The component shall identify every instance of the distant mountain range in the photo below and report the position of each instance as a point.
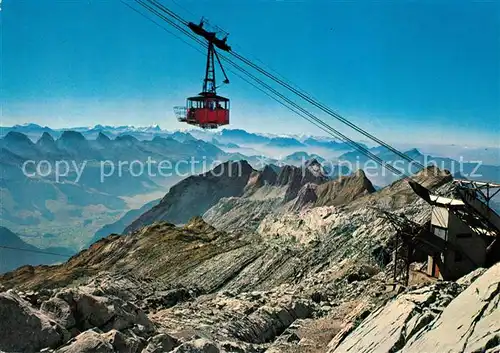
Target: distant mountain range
(469, 170)
(230, 138)
(34, 131)
(82, 199)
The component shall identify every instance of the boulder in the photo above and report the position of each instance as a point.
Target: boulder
(199, 345)
(88, 342)
(60, 311)
(105, 313)
(161, 343)
(24, 329)
(95, 341)
(123, 343)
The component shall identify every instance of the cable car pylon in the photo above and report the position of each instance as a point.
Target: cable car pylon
(207, 110)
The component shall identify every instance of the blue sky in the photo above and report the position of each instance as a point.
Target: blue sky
(404, 70)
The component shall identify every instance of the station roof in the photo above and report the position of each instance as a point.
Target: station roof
(445, 201)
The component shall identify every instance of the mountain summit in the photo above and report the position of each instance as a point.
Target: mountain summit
(343, 190)
(102, 139)
(194, 195)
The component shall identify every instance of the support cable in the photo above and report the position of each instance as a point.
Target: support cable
(331, 130)
(34, 251)
(302, 94)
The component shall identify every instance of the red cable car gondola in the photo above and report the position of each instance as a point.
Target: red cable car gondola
(207, 110)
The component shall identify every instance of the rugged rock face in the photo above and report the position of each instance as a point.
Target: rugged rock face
(25, 329)
(267, 176)
(306, 197)
(389, 327)
(309, 280)
(196, 194)
(232, 185)
(295, 177)
(293, 187)
(470, 323)
(343, 190)
(445, 317)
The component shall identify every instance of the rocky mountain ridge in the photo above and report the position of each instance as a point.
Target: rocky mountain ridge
(196, 194)
(317, 284)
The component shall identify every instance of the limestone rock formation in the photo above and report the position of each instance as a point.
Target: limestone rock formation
(343, 190)
(306, 197)
(267, 176)
(194, 195)
(470, 323)
(269, 275)
(26, 329)
(446, 317)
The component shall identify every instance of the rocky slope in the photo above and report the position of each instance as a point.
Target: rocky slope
(343, 190)
(342, 308)
(445, 317)
(197, 193)
(199, 288)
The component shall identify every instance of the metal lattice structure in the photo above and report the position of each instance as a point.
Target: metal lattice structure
(403, 245)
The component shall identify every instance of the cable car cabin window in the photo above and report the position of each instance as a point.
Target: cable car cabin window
(221, 105)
